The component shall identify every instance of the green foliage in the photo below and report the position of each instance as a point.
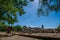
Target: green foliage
(31, 0)
(3, 28)
(8, 9)
(17, 28)
(58, 28)
(46, 6)
(14, 28)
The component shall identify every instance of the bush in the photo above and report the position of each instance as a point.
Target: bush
(17, 28)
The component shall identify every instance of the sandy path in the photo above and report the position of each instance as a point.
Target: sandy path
(17, 38)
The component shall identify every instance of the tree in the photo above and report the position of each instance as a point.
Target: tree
(46, 6)
(17, 28)
(8, 9)
(3, 27)
(58, 28)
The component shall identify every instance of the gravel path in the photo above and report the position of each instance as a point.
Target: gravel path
(16, 37)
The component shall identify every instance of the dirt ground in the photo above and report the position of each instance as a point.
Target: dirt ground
(16, 37)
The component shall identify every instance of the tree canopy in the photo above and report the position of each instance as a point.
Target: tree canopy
(8, 8)
(46, 6)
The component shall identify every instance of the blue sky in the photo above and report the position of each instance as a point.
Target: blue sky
(31, 18)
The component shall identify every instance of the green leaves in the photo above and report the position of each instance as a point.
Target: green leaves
(8, 9)
(44, 2)
(46, 6)
(31, 0)
(58, 28)
(17, 28)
